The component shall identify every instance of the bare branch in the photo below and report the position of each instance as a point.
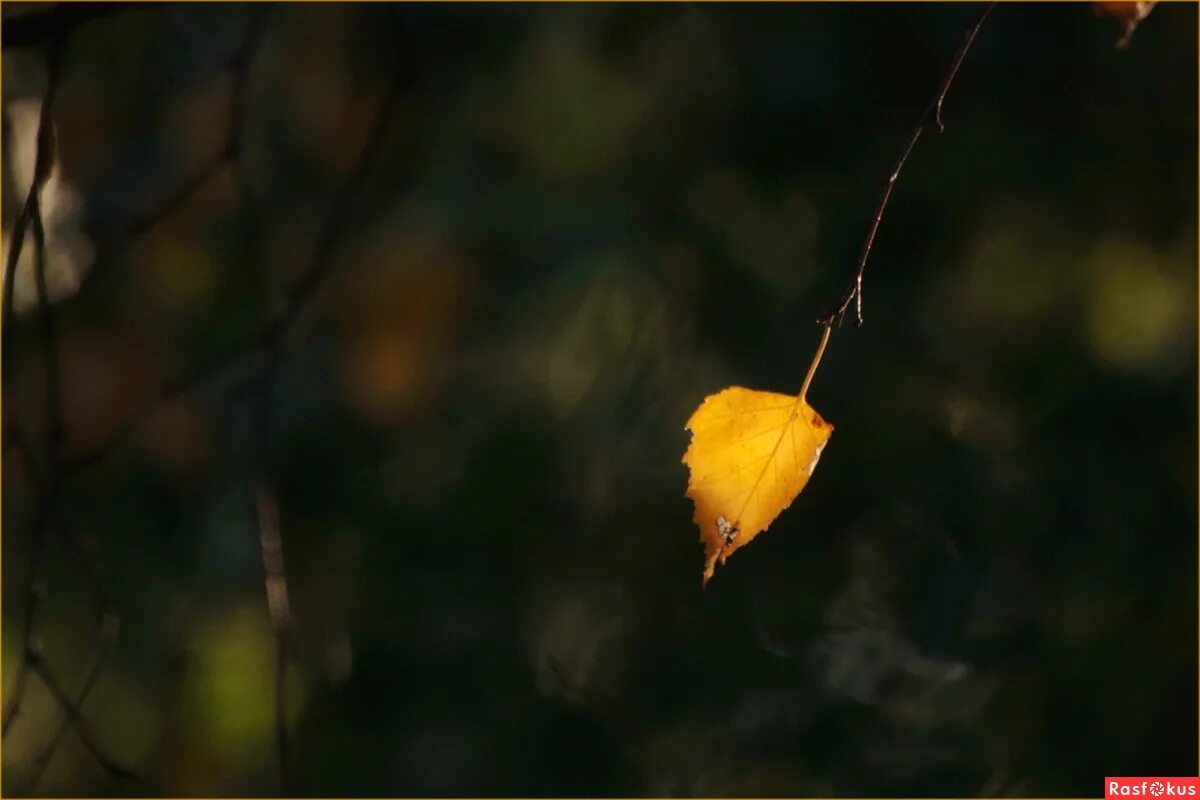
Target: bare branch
(259, 353)
(231, 358)
(276, 585)
(51, 478)
(246, 354)
(933, 112)
(162, 208)
(82, 730)
(30, 217)
(16, 439)
(264, 498)
(71, 715)
(49, 336)
(43, 165)
(165, 206)
(60, 20)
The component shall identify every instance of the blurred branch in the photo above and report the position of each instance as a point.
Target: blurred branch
(42, 166)
(16, 439)
(335, 223)
(247, 354)
(71, 715)
(75, 717)
(154, 213)
(275, 582)
(270, 344)
(144, 221)
(265, 499)
(51, 479)
(30, 217)
(262, 350)
(30, 644)
(36, 27)
(932, 113)
(232, 359)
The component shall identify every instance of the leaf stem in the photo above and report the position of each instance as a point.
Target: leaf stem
(932, 113)
(812, 368)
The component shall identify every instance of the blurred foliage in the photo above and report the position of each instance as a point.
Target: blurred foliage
(584, 219)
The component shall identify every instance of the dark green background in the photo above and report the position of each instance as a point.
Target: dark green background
(583, 220)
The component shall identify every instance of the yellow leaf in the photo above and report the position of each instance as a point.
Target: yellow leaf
(751, 453)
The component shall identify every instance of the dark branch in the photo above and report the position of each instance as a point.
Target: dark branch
(47, 328)
(15, 439)
(30, 217)
(71, 715)
(932, 113)
(42, 166)
(82, 730)
(139, 224)
(275, 583)
(38, 27)
(164, 207)
(51, 478)
(144, 220)
(264, 499)
(247, 354)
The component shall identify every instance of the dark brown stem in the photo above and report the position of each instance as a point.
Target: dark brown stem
(932, 113)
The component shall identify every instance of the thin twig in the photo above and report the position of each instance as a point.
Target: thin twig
(227, 157)
(71, 714)
(38, 665)
(232, 357)
(30, 217)
(60, 20)
(49, 335)
(335, 222)
(49, 493)
(239, 356)
(933, 112)
(50, 483)
(276, 586)
(16, 439)
(43, 164)
(154, 213)
(30, 644)
(247, 353)
(264, 497)
(86, 562)
(142, 222)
